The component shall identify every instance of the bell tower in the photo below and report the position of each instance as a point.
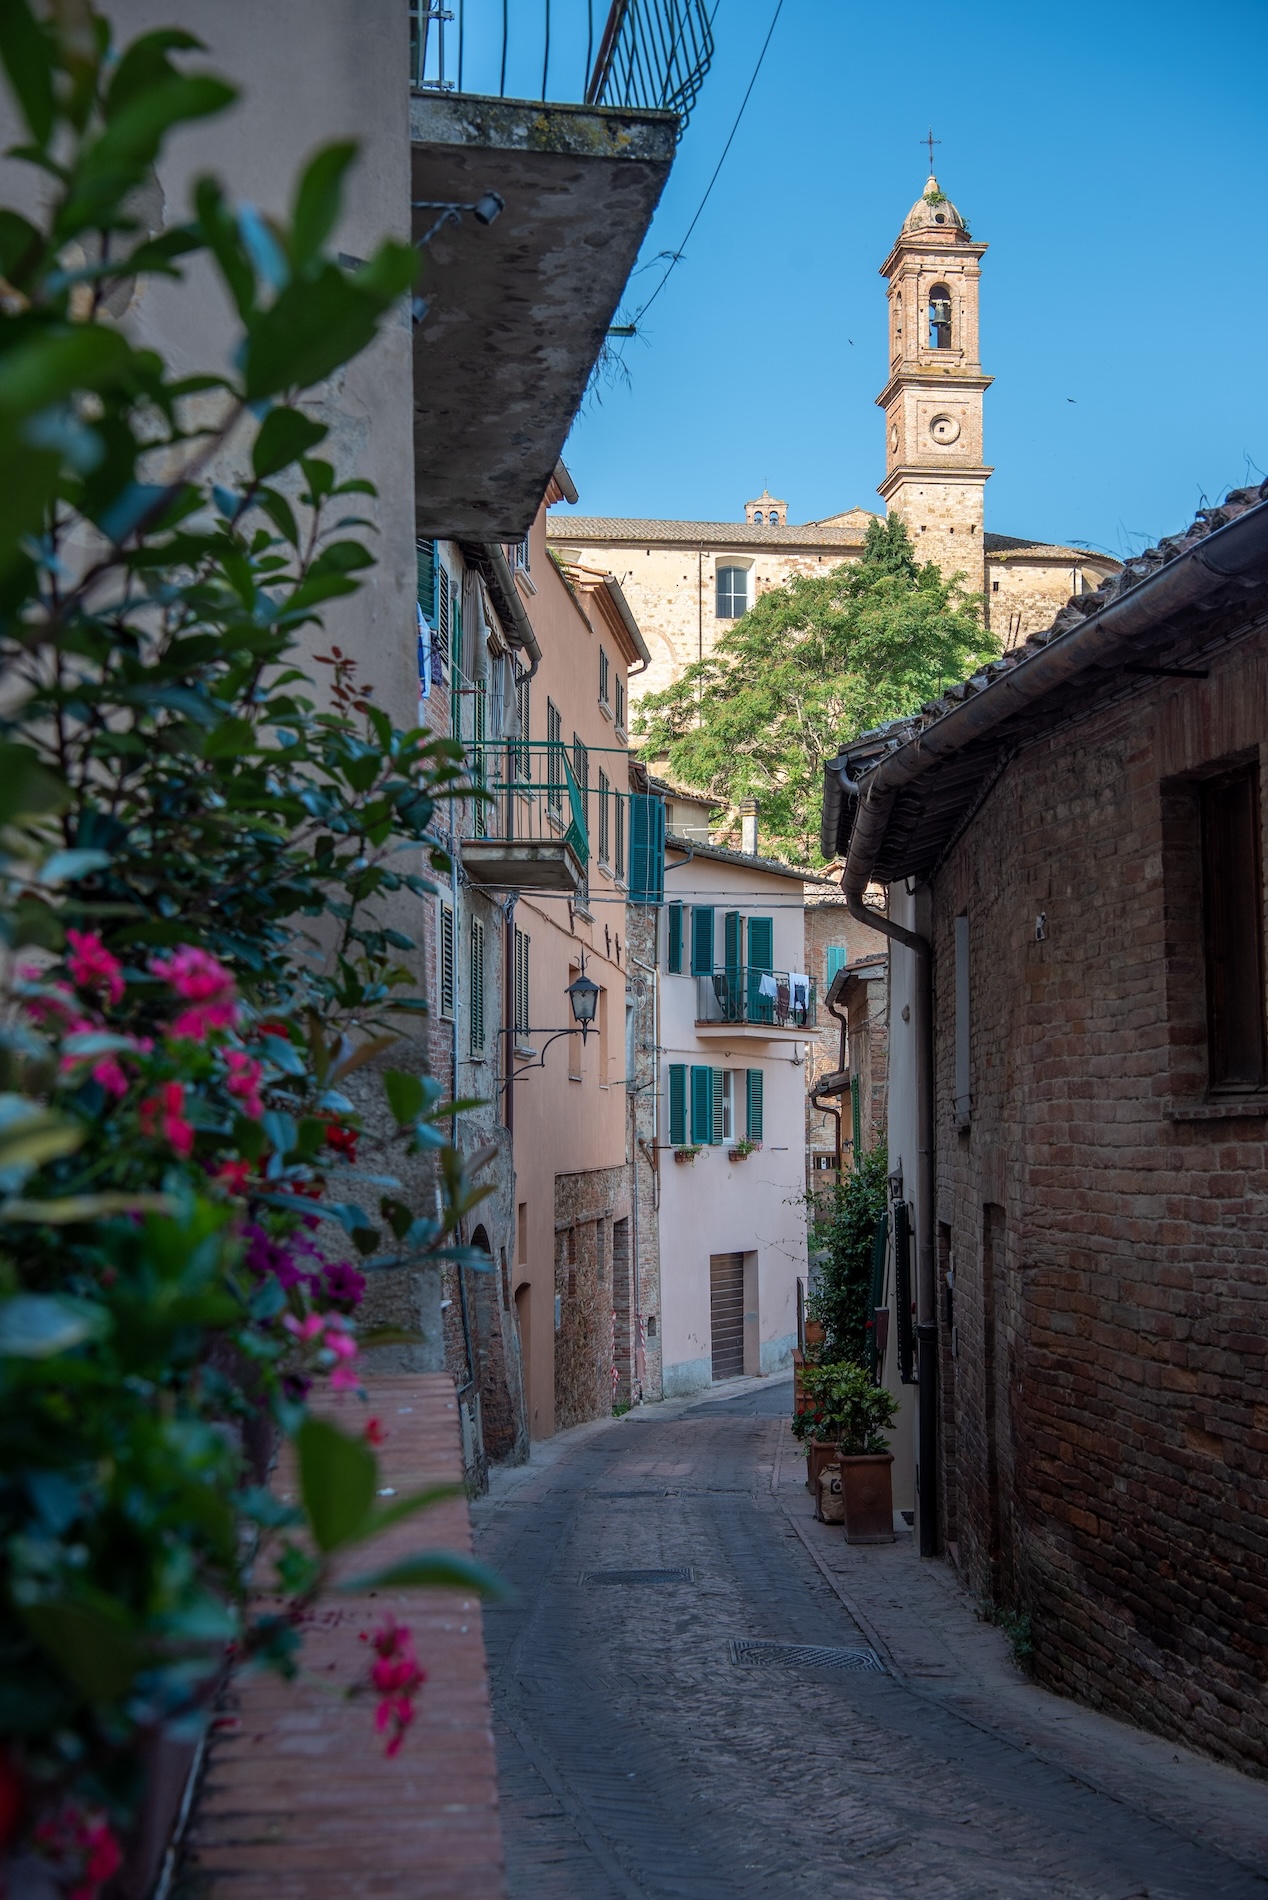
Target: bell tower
(935, 476)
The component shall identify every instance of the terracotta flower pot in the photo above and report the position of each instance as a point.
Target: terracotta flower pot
(820, 1453)
(867, 1485)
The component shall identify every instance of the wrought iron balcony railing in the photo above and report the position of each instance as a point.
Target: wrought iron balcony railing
(741, 994)
(650, 55)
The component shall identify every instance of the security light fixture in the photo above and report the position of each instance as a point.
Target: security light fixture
(485, 209)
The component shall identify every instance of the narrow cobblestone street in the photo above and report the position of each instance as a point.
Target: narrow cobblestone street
(638, 1758)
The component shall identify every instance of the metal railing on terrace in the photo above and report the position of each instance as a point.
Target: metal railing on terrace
(742, 994)
(649, 55)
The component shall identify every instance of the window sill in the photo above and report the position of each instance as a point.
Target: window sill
(621, 733)
(525, 580)
(606, 710)
(1219, 1108)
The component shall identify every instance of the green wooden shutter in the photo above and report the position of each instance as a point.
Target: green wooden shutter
(701, 1104)
(425, 552)
(761, 943)
(715, 1130)
(754, 1104)
(673, 960)
(647, 848)
(677, 1104)
(702, 940)
(477, 987)
(838, 957)
(902, 1295)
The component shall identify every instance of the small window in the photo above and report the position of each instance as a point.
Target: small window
(939, 318)
(727, 1103)
(732, 592)
(620, 703)
(444, 959)
(477, 987)
(618, 834)
(521, 985)
(605, 823)
(757, 519)
(1232, 881)
(836, 957)
(701, 1105)
(604, 672)
(995, 587)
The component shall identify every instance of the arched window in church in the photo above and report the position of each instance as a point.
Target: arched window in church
(939, 318)
(757, 519)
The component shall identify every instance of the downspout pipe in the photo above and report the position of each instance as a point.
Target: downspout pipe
(489, 559)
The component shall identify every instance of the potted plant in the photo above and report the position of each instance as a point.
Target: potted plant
(743, 1149)
(686, 1154)
(846, 1419)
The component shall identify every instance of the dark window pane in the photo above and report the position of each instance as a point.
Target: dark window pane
(1233, 892)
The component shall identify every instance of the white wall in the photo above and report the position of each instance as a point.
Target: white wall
(714, 1205)
(912, 913)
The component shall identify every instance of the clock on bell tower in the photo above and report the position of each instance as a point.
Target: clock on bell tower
(935, 477)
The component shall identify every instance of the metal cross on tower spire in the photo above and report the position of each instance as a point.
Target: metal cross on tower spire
(930, 141)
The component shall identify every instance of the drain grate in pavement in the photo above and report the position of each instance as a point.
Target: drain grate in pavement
(802, 1656)
(609, 1496)
(685, 1574)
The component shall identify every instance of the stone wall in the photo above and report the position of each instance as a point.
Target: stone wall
(587, 1206)
(1104, 1349)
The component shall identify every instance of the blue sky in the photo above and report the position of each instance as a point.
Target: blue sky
(1111, 155)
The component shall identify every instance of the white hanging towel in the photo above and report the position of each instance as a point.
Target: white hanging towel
(767, 986)
(424, 655)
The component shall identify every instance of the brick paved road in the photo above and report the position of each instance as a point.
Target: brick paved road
(638, 1762)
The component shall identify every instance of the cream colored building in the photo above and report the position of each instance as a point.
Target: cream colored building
(688, 582)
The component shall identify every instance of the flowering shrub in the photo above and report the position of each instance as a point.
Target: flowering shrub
(180, 1164)
(396, 1677)
(845, 1408)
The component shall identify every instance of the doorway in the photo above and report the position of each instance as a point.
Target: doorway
(726, 1306)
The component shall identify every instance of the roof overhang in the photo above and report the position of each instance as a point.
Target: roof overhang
(518, 310)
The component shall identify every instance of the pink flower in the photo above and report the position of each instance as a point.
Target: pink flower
(75, 1842)
(310, 1327)
(110, 1075)
(396, 1674)
(234, 1176)
(91, 965)
(163, 1116)
(243, 1081)
(205, 985)
(55, 1008)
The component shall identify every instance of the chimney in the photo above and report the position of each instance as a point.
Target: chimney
(749, 809)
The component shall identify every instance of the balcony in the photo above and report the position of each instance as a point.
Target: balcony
(527, 817)
(776, 1004)
(575, 133)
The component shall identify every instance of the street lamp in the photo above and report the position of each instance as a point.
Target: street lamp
(583, 994)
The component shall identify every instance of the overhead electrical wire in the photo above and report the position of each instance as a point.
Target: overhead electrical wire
(676, 257)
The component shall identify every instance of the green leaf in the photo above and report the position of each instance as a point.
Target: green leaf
(145, 63)
(401, 1508)
(318, 200)
(26, 785)
(91, 1642)
(430, 1570)
(28, 61)
(30, 1134)
(21, 246)
(80, 1207)
(318, 323)
(40, 1325)
(285, 435)
(230, 739)
(49, 368)
(405, 1095)
(338, 1476)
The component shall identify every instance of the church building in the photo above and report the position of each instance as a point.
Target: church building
(688, 582)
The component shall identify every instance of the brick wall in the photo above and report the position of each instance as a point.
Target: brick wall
(1107, 1458)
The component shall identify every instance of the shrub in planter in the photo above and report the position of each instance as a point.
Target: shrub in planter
(845, 1418)
(177, 1146)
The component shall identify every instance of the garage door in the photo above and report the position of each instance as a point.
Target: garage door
(726, 1291)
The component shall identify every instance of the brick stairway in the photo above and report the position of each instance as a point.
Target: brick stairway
(297, 1801)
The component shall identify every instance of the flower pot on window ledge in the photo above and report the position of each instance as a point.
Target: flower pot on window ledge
(867, 1485)
(685, 1154)
(742, 1150)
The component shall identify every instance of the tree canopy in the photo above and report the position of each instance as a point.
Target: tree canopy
(810, 666)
